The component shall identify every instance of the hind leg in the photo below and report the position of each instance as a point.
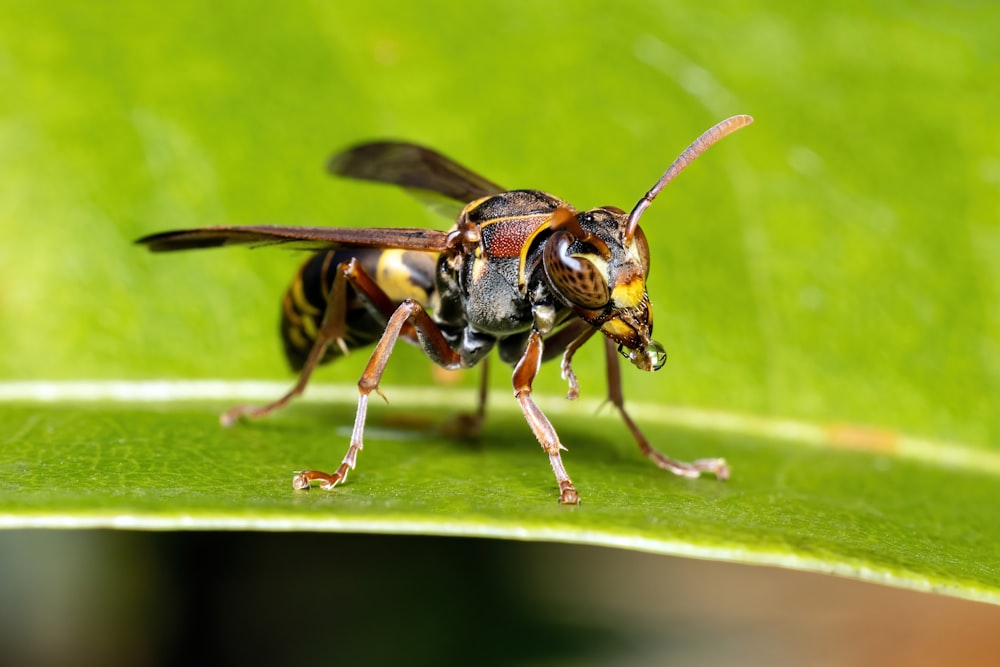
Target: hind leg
(331, 330)
(410, 315)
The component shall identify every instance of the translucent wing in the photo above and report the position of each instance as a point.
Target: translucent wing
(416, 168)
(307, 238)
(431, 177)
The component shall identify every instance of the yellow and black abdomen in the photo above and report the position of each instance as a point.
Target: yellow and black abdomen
(401, 274)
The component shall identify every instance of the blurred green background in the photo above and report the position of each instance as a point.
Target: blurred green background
(835, 262)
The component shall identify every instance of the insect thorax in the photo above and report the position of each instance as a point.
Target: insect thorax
(492, 278)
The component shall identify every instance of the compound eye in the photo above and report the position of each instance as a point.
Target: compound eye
(580, 278)
(642, 247)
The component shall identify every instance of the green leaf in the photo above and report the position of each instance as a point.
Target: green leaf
(826, 281)
(913, 514)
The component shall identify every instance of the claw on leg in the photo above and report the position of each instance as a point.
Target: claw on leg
(566, 365)
(566, 371)
(568, 494)
(692, 470)
(233, 414)
(717, 467)
(305, 479)
(408, 314)
(524, 374)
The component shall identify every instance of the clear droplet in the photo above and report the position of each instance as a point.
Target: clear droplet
(654, 353)
(657, 355)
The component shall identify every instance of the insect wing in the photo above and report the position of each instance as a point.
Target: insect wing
(413, 167)
(305, 238)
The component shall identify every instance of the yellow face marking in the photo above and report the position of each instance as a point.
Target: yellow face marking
(629, 294)
(618, 330)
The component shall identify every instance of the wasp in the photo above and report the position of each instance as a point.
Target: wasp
(520, 270)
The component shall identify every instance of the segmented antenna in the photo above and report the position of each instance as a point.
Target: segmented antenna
(699, 146)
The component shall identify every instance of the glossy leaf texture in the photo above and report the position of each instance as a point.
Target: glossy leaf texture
(825, 281)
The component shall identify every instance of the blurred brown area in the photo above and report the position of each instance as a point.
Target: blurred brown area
(133, 598)
(730, 614)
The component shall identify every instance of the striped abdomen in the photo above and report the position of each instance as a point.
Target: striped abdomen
(401, 274)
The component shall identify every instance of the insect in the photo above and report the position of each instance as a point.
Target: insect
(520, 271)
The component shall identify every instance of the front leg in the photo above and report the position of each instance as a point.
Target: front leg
(569, 339)
(717, 467)
(524, 375)
(565, 366)
(408, 314)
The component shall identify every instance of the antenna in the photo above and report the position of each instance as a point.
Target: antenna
(690, 154)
